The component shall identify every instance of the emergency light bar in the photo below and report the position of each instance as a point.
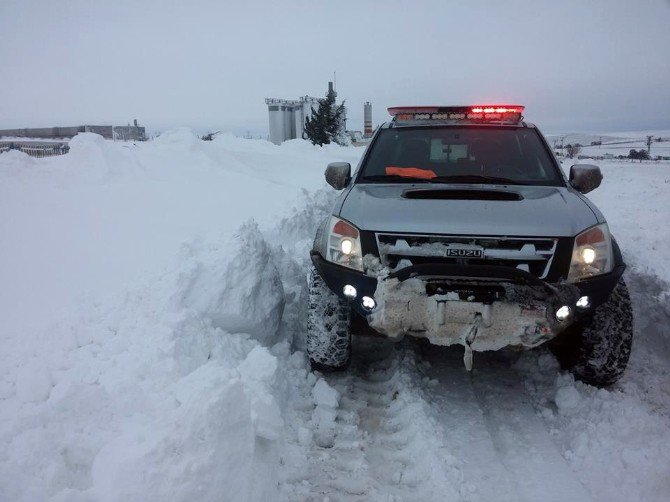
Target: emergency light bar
(476, 113)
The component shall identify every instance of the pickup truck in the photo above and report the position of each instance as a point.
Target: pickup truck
(459, 226)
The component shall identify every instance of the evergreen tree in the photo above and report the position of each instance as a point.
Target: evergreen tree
(326, 124)
(316, 125)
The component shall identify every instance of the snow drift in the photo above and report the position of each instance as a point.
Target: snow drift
(161, 385)
(152, 308)
(235, 284)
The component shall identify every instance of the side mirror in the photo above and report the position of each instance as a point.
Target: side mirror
(338, 174)
(585, 177)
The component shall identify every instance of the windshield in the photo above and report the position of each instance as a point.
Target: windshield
(460, 155)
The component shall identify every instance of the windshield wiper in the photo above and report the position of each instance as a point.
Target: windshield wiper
(477, 178)
(391, 178)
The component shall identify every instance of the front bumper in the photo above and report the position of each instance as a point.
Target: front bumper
(448, 303)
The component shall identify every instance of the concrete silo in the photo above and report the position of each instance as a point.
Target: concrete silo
(276, 116)
(287, 117)
(367, 119)
(289, 123)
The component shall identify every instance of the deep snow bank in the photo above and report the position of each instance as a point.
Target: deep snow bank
(158, 382)
(109, 215)
(147, 395)
(235, 283)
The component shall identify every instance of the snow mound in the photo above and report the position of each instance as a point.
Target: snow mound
(87, 141)
(235, 284)
(16, 160)
(164, 387)
(148, 396)
(181, 137)
(212, 434)
(100, 160)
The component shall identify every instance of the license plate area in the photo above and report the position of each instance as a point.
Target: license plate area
(486, 294)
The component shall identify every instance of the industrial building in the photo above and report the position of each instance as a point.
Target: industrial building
(287, 117)
(133, 132)
(130, 132)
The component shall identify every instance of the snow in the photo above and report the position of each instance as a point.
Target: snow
(152, 304)
(137, 287)
(241, 289)
(326, 401)
(635, 201)
(615, 143)
(567, 398)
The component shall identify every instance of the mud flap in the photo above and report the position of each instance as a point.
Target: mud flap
(469, 337)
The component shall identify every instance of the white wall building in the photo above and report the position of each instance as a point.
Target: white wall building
(287, 117)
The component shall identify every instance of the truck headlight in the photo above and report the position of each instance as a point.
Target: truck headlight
(591, 254)
(343, 244)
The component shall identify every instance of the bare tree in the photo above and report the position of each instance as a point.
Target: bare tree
(572, 150)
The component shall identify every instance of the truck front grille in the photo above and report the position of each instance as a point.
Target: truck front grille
(533, 255)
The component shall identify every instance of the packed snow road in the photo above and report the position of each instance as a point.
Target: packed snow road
(413, 425)
(427, 430)
(152, 348)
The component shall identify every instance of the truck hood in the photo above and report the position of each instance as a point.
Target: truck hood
(467, 209)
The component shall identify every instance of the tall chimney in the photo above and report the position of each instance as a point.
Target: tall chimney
(367, 119)
(331, 89)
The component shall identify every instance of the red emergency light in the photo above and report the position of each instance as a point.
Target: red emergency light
(477, 113)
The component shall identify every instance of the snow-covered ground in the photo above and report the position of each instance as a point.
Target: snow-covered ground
(615, 143)
(151, 314)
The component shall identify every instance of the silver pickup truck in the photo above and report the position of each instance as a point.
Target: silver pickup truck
(459, 226)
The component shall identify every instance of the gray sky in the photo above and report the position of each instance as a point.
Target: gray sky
(583, 65)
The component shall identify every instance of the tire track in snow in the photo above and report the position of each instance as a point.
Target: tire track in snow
(414, 425)
(446, 386)
(403, 456)
(385, 445)
(507, 426)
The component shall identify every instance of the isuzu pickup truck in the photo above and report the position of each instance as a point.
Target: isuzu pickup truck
(460, 226)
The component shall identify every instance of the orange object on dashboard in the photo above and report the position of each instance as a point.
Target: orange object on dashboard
(411, 172)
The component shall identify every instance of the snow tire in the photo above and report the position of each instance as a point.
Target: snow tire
(328, 327)
(596, 350)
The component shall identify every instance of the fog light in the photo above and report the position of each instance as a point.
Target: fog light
(349, 291)
(368, 303)
(563, 313)
(584, 302)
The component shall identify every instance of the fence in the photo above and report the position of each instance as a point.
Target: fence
(35, 149)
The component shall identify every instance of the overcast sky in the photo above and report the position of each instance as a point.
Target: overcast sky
(577, 66)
